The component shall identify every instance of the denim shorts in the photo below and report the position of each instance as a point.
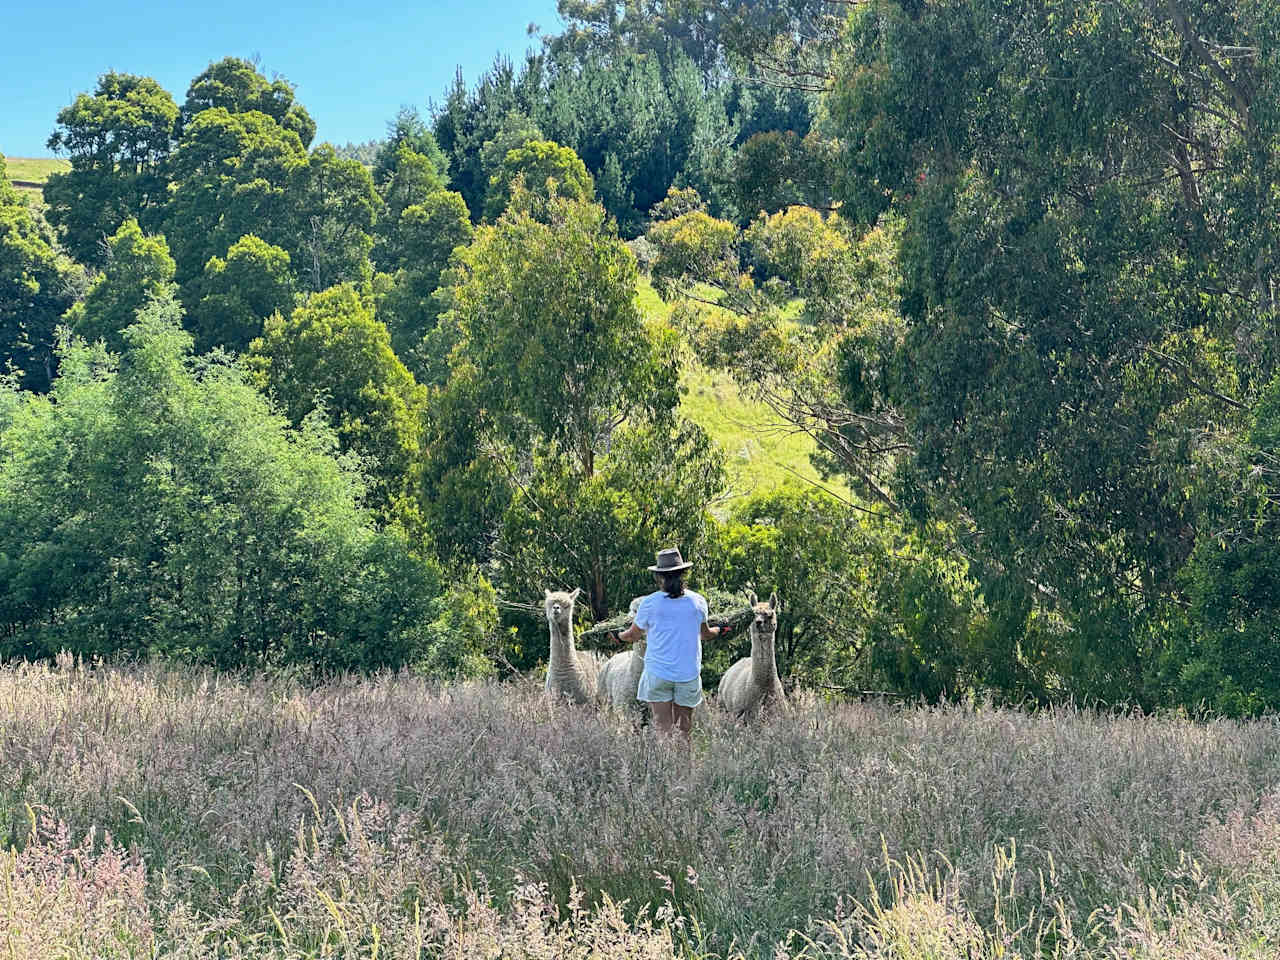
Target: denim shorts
(656, 690)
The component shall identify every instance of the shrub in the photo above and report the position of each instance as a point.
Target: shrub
(164, 507)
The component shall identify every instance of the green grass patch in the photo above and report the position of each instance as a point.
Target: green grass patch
(762, 452)
(29, 174)
(35, 169)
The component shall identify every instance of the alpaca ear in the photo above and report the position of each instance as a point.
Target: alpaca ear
(773, 601)
(574, 595)
(751, 597)
(547, 592)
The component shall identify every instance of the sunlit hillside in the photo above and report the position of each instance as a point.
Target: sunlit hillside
(29, 174)
(762, 452)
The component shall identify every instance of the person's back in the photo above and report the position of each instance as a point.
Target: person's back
(672, 627)
(673, 622)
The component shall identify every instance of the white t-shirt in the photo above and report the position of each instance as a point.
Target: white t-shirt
(673, 634)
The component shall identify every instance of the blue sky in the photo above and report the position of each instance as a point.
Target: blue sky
(353, 64)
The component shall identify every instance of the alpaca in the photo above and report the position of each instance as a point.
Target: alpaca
(570, 673)
(752, 684)
(620, 676)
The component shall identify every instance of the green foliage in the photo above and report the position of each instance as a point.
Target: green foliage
(408, 131)
(677, 202)
(545, 169)
(411, 179)
(778, 169)
(462, 639)
(429, 233)
(233, 174)
(237, 294)
(565, 527)
(1223, 656)
(640, 123)
(164, 508)
(242, 173)
(424, 239)
(514, 132)
(366, 152)
(1078, 299)
(642, 118)
(694, 245)
(331, 354)
(464, 487)
(236, 86)
(333, 207)
(496, 112)
(550, 358)
(37, 286)
(415, 181)
(138, 270)
(118, 139)
(547, 312)
(865, 604)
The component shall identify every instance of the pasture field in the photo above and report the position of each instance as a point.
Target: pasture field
(28, 174)
(761, 452)
(35, 169)
(159, 811)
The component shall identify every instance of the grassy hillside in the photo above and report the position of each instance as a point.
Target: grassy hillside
(28, 174)
(394, 818)
(762, 452)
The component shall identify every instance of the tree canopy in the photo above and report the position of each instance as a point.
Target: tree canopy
(159, 505)
(37, 285)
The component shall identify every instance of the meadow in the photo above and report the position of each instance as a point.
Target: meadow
(164, 811)
(762, 453)
(28, 174)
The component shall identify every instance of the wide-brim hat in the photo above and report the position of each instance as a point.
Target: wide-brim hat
(669, 561)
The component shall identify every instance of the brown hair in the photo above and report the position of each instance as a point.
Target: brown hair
(672, 583)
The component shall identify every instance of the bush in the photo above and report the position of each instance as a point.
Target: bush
(165, 507)
(863, 602)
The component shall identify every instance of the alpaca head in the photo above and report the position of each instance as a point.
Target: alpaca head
(764, 616)
(559, 607)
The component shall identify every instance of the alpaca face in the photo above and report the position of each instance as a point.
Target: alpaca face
(559, 607)
(764, 620)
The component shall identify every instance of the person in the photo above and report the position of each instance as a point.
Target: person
(674, 621)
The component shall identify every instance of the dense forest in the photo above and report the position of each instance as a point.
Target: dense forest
(1012, 267)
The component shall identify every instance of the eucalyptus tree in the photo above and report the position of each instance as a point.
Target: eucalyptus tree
(235, 294)
(138, 270)
(552, 367)
(331, 355)
(1089, 205)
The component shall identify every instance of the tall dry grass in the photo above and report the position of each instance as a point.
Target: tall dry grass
(387, 817)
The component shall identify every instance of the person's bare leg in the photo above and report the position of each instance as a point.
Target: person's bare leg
(662, 716)
(683, 719)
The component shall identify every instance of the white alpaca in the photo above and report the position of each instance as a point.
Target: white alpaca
(570, 673)
(752, 685)
(620, 676)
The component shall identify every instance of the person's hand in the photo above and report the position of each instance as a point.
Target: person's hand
(724, 630)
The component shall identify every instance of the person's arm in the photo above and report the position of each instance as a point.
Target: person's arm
(710, 633)
(632, 633)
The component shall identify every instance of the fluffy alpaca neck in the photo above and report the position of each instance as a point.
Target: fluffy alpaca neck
(562, 652)
(764, 669)
(637, 657)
